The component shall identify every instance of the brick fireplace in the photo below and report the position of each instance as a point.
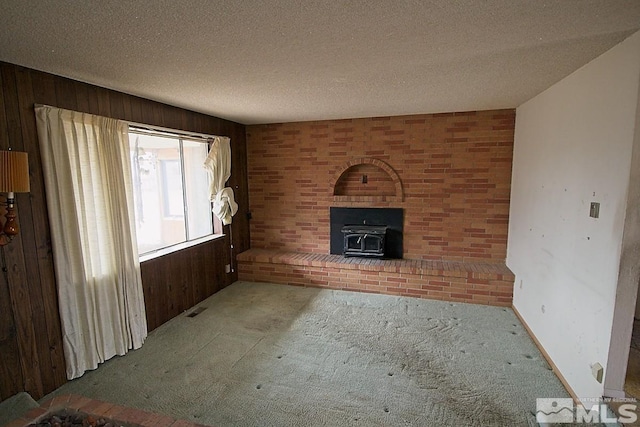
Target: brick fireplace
(449, 173)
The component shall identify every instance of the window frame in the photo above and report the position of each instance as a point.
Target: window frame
(181, 136)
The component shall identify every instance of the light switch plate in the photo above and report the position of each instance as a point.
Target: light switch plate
(597, 371)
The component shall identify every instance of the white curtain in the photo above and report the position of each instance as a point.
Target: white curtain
(87, 175)
(218, 164)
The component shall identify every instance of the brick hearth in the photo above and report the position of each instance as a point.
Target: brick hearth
(477, 282)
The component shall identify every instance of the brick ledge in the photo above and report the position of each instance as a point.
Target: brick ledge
(471, 282)
(476, 270)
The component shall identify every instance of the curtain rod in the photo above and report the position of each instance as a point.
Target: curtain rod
(145, 126)
(154, 127)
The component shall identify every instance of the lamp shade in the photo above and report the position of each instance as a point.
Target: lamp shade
(14, 172)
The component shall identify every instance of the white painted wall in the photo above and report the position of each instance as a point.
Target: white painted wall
(573, 145)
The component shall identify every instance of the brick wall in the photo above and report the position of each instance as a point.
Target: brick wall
(455, 171)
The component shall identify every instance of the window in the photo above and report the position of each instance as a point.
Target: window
(170, 189)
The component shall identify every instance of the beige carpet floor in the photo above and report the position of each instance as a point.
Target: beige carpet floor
(274, 355)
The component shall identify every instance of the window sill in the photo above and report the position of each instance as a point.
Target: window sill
(180, 246)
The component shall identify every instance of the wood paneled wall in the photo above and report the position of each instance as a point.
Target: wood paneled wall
(175, 282)
(31, 356)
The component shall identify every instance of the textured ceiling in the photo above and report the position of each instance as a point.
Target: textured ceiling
(265, 61)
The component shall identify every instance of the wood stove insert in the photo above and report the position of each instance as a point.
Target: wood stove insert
(382, 227)
(364, 240)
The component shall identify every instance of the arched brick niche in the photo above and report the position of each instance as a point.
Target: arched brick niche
(366, 179)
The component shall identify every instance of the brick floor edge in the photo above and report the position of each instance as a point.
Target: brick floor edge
(100, 409)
